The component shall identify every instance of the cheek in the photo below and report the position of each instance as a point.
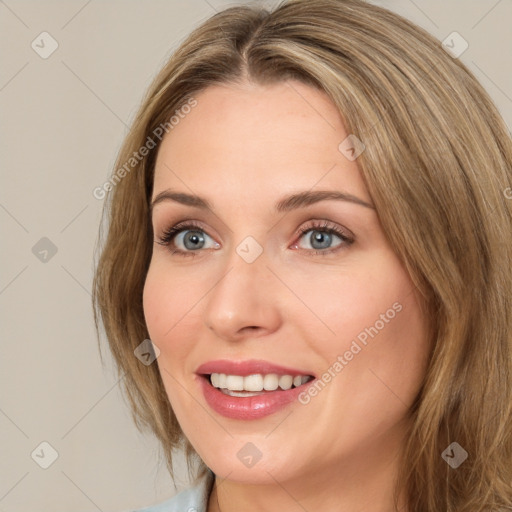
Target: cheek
(164, 304)
(356, 302)
(168, 301)
(389, 369)
(154, 299)
(375, 360)
(376, 325)
(172, 301)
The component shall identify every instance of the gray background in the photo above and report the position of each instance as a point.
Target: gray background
(63, 119)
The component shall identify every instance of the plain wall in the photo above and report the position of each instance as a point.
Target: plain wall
(62, 122)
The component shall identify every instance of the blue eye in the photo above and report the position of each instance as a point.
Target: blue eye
(190, 236)
(191, 239)
(322, 239)
(322, 236)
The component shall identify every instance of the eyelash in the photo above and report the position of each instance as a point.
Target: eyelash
(167, 237)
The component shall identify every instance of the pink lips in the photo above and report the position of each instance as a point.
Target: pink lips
(251, 407)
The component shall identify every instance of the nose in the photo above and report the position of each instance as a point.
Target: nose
(244, 302)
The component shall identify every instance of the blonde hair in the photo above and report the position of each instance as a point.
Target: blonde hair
(437, 165)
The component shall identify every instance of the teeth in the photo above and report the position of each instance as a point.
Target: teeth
(270, 382)
(285, 381)
(255, 383)
(234, 382)
(239, 393)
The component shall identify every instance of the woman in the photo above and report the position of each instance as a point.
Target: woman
(311, 220)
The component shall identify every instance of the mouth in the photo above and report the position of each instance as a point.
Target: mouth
(255, 384)
(250, 390)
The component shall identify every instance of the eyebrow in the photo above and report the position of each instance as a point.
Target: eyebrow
(292, 202)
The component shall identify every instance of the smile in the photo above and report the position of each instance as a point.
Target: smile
(250, 390)
(251, 384)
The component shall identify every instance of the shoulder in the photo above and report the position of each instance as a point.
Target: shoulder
(194, 499)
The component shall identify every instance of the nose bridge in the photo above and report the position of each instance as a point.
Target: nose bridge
(241, 297)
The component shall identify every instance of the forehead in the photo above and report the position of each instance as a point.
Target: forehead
(278, 138)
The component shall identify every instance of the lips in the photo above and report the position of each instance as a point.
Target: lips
(252, 407)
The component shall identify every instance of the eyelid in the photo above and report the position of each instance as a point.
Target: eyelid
(328, 226)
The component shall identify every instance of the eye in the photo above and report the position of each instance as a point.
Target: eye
(186, 238)
(322, 235)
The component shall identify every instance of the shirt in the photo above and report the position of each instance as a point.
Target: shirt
(194, 499)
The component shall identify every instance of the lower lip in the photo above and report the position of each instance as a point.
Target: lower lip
(249, 407)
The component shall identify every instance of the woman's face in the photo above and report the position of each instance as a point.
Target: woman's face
(285, 272)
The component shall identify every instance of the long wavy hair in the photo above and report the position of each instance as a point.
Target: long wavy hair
(437, 165)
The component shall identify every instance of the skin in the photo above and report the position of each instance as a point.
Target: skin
(243, 148)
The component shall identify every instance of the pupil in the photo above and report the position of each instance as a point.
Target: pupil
(194, 238)
(317, 236)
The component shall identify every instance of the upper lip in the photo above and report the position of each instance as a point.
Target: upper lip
(247, 367)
